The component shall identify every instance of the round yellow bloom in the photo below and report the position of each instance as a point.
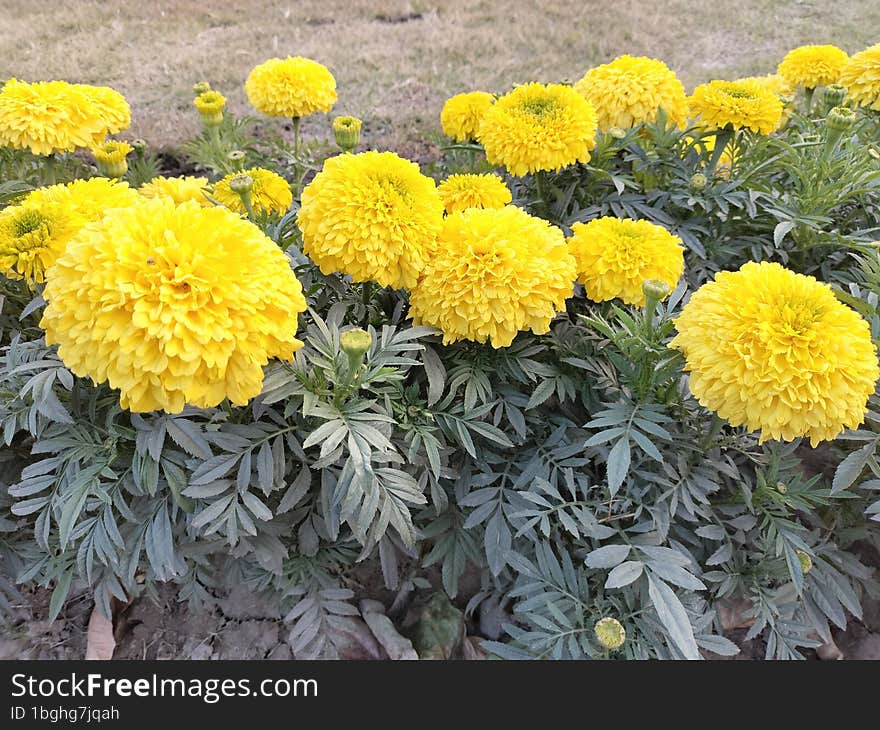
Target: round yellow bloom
(537, 127)
(371, 215)
(271, 192)
(616, 256)
(741, 104)
(812, 66)
(291, 87)
(629, 90)
(110, 107)
(461, 114)
(460, 192)
(173, 305)
(610, 633)
(775, 83)
(34, 232)
(861, 77)
(494, 273)
(179, 189)
(777, 352)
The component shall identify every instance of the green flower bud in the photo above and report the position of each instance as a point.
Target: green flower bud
(617, 132)
(655, 289)
(805, 560)
(840, 120)
(699, 181)
(355, 342)
(241, 184)
(140, 147)
(781, 488)
(610, 633)
(347, 131)
(201, 87)
(236, 159)
(833, 95)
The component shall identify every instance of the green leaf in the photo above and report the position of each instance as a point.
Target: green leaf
(673, 616)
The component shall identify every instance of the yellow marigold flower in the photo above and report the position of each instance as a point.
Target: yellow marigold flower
(610, 633)
(492, 274)
(291, 87)
(34, 232)
(460, 192)
(861, 77)
(740, 104)
(812, 66)
(210, 105)
(782, 89)
(616, 256)
(461, 114)
(179, 189)
(173, 305)
(777, 352)
(110, 157)
(537, 127)
(630, 89)
(110, 107)
(371, 215)
(270, 193)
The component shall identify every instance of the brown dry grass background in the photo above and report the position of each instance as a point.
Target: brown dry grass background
(395, 61)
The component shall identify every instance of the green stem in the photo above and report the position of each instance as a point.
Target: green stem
(51, 168)
(248, 205)
(367, 298)
(541, 185)
(296, 137)
(808, 96)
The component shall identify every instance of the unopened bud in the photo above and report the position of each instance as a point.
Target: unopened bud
(617, 132)
(610, 633)
(805, 560)
(347, 131)
(201, 87)
(110, 157)
(140, 147)
(210, 106)
(656, 290)
(241, 184)
(355, 342)
(699, 181)
(236, 159)
(781, 488)
(833, 95)
(840, 120)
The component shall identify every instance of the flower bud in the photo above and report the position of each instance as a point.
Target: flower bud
(617, 132)
(874, 152)
(833, 95)
(805, 560)
(140, 147)
(781, 488)
(201, 87)
(236, 159)
(210, 106)
(840, 120)
(241, 184)
(347, 131)
(699, 181)
(610, 633)
(355, 342)
(656, 290)
(110, 157)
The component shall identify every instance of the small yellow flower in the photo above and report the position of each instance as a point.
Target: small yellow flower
(347, 131)
(210, 105)
(537, 127)
(861, 77)
(179, 189)
(812, 66)
(291, 87)
(776, 351)
(629, 91)
(110, 157)
(493, 273)
(610, 633)
(460, 192)
(172, 305)
(270, 193)
(806, 562)
(371, 215)
(461, 114)
(616, 256)
(743, 104)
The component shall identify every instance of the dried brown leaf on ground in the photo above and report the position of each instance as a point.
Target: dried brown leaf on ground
(100, 641)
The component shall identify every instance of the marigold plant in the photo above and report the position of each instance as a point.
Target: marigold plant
(462, 114)
(743, 104)
(291, 87)
(861, 77)
(812, 66)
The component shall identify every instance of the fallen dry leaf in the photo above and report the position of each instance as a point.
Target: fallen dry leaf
(100, 642)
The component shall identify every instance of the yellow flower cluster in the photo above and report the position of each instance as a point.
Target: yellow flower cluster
(462, 114)
(179, 189)
(54, 116)
(861, 77)
(812, 66)
(34, 232)
(371, 215)
(172, 305)
(291, 87)
(492, 274)
(743, 104)
(775, 351)
(271, 192)
(460, 192)
(629, 91)
(616, 256)
(538, 127)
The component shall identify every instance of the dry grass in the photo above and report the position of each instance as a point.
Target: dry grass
(396, 60)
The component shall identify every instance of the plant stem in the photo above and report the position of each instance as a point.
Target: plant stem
(296, 136)
(541, 185)
(722, 139)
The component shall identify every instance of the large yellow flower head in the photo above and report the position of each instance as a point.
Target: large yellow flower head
(494, 273)
(537, 127)
(616, 256)
(110, 107)
(179, 189)
(271, 192)
(460, 192)
(743, 104)
(630, 89)
(812, 66)
(777, 352)
(371, 215)
(173, 305)
(34, 232)
(461, 114)
(861, 77)
(291, 87)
